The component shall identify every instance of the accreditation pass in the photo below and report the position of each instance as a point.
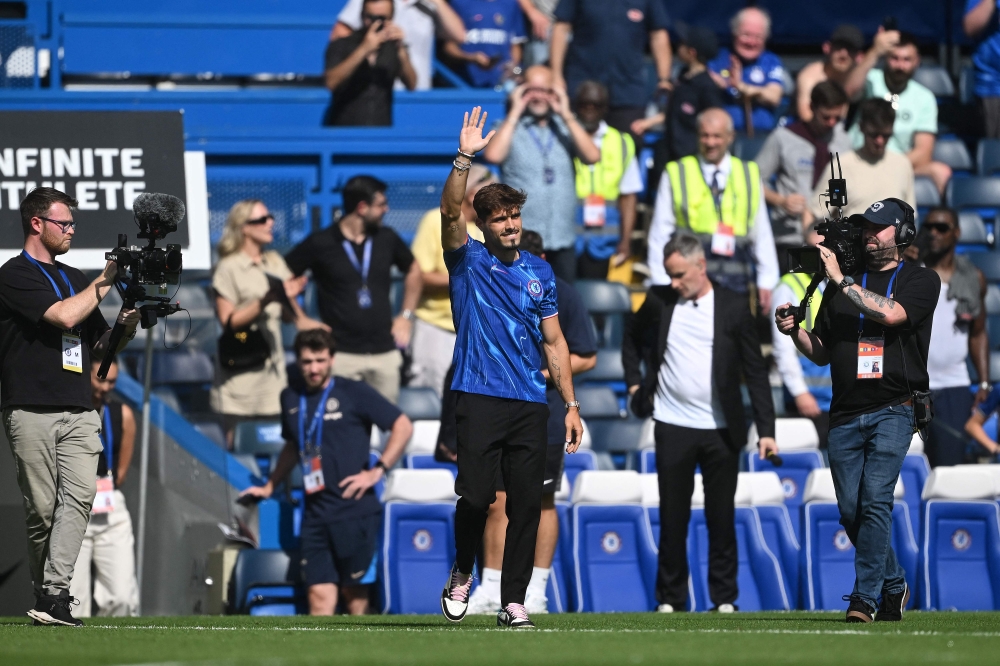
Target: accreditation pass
(72, 356)
(870, 358)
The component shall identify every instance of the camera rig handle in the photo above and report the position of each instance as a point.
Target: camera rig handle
(799, 311)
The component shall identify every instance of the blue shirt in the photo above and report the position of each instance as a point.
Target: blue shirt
(498, 310)
(990, 405)
(767, 68)
(610, 40)
(987, 56)
(491, 27)
(351, 410)
(578, 330)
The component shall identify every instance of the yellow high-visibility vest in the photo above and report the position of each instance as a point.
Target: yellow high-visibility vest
(693, 205)
(604, 178)
(798, 282)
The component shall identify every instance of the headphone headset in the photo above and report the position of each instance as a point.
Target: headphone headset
(906, 230)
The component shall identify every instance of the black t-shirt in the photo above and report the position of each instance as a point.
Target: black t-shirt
(351, 410)
(916, 289)
(31, 348)
(365, 98)
(689, 98)
(112, 412)
(579, 333)
(357, 330)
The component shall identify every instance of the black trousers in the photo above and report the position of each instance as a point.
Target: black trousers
(947, 440)
(678, 450)
(498, 434)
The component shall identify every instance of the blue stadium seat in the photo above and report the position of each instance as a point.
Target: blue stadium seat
(426, 461)
(914, 474)
(961, 544)
(927, 194)
(953, 153)
(936, 78)
(979, 192)
(651, 511)
(373, 457)
(581, 461)
(988, 157)
(558, 591)
(180, 367)
(609, 367)
(598, 402)
(616, 435)
(647, 461)
(746, 148)
(614, 557)
(418, 539)
(988, 263)
(264, 582)
(973, 229)
(827, 553)
(262, 440)
(992, 299)
(762, 493)
(608, 304)
(419, 403)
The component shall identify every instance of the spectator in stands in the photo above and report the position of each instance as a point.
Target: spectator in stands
(752, 77)
(798, 158)
(614, 181)
(693, 92)
(718, 197)
(915, 129)
(351, 262)
(326, 429)
(980, 22)
(958, 334)
(433, 327)
(494, 41)
(422, 21)
(535, 146)
(844, 64)
(245, 299)
(541, 16)
(872, 172)
(576, 326)
(696, 339)
(361, 69)
(808, 384)
(108, 542)
(609, 45)
(980, 414)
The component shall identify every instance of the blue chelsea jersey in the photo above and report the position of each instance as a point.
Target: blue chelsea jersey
(498, 310)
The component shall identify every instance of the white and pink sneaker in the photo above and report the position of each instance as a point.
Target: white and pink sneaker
(455, 596)
(514, 616)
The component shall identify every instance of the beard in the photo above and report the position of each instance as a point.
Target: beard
(881, 256)
(55, 243)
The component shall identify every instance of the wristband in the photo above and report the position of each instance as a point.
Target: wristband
(461, 166)
(464, 154)
(380, 464)
(575, 403)
(985, 386)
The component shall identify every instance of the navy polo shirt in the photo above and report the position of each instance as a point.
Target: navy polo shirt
(350, 411)
(610, 40)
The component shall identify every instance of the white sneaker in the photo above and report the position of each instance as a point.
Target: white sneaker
(455, 596)
(514, 616)
(536, 604)
(726, 608)
(481, 604)
(664, 608)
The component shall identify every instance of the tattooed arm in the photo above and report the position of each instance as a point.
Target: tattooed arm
(878, 307)
(561, 374)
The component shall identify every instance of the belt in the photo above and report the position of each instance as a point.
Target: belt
(908, 403)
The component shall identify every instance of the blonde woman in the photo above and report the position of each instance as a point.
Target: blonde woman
(243, 298)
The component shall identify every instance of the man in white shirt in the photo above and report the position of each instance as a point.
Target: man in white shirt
(704, 341)
(727, 214)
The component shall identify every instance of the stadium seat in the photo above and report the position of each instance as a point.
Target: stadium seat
(264, 582)
(936, 78)
(977, 192)
(961, 542)
(647, 461)
(616, 435)
(988, 263)
(608, 304)
(827, 553)
(419, 403)
(988, 157)
(373, 457)
(913, 475)
(180, 367)
(953, 153)
(581, 461)
(558, 590)
(609, 368)
(927, 194)
(614, 557)
(746, 148)
(598, 402)
(418, 539)
(261, 439)
(763, 493)
(425, 436)
(973, 229)
(426, 461)
(214, 432)
(992, 299)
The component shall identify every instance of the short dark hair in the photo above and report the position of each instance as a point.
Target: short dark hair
(316, 339)
(531, 241)
(828, 95)
(361, 189)
(908, 39)
(876, 113)
(497, 198)
(950, 212)
(38, 202)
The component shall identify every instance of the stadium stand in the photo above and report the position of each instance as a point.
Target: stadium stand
(762, 492)
(988, 157)
(953, 152)
(265, 582)
(558, 591)
(608, 303)
(913, 475)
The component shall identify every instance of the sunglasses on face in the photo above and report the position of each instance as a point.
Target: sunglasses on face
(540, 91)
(939, 227)
(876, 135)
(65, 225)
(377, 17)
(260, 220)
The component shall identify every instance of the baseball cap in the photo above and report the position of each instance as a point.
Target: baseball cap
(847, 35)
(886, 212)
(700, 39)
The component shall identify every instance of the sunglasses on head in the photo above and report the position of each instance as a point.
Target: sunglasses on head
(260, 220)
(939, 227)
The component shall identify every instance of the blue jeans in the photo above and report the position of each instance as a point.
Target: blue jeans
(866, 455)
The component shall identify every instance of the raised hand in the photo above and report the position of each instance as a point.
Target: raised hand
(471, 139)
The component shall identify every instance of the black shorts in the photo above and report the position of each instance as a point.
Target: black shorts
(340, 553)
(554, 454)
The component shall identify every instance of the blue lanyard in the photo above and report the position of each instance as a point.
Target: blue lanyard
(538, 142)
(366, 264)
(49, 277)
(315, 433)
(108, 436)
(888, 292)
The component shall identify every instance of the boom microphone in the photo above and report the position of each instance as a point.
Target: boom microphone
(158, 214)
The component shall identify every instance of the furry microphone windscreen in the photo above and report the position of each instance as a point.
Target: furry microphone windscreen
(168, 208)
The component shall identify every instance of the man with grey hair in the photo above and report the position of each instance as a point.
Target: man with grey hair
(697, 339)
(752, 77)
(719, 198)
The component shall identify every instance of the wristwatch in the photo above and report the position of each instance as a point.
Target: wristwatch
(379, 463)
(406, 314)
(846, 282)
(575, 403)
(985, 386)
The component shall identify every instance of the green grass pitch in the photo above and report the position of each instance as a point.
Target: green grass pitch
(618, 639)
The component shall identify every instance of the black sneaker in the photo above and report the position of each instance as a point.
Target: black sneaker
(890, 609)
(514, 616)
(858, 611)
(55, 610)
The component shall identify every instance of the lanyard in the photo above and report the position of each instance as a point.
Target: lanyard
(538, 142)
(108, 435)
(366, 260)
(717, 197)
(49, 277)
(888, 293)
(315, 432)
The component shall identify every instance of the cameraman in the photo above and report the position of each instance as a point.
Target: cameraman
(50, 329)
(880, 315)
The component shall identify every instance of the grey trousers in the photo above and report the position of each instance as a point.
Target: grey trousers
(55, 457)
